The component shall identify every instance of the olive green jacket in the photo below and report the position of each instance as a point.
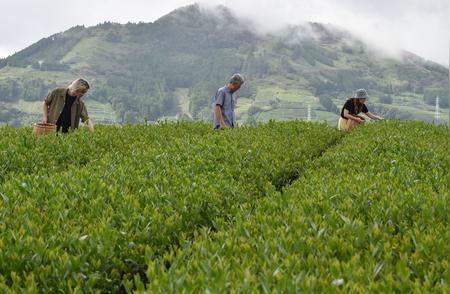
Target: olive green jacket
(56, 100)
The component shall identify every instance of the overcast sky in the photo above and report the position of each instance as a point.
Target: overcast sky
(420, 26)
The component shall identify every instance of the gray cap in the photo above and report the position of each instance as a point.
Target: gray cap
(237, 79)
(360, 94)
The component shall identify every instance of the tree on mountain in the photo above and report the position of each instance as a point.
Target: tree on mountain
(328, 104)
(430, 95)
(386, 99)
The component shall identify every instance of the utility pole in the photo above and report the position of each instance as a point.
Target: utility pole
(308, 117)
(437, 114)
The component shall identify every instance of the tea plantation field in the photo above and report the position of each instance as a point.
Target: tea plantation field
(178, 207)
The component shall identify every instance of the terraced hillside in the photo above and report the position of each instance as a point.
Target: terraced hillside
(170, 69)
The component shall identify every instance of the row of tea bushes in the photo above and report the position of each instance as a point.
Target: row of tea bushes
(371, 215)
(83, 212)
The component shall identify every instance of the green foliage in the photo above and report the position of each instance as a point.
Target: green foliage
(86, 212)
(182, 208)
(49, 50)
(9, 90)
(10, 116)
(329, 105)
(370, 215)
(386, 99)
(28, 89)
(253, 110)
(430, 95)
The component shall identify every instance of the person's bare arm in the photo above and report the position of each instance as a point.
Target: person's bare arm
(347, 115)
(218, 110)
(45, 111)
(373, 116)
(90, 125)
(85, 118)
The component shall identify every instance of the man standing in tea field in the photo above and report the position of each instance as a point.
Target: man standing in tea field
(64, 107)
(225, 103)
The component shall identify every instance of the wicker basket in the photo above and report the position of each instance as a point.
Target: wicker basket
(41, 129)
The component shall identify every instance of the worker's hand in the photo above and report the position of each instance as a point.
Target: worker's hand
(360, 120)
(223, 126)
(90, 125)
(45, 120)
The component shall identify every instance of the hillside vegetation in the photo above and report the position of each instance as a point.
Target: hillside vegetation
(171, 68)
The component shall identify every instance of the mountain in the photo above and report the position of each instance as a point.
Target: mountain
(171, 68)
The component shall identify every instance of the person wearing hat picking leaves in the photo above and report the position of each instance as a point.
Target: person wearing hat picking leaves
(225, 103)
(350, 117)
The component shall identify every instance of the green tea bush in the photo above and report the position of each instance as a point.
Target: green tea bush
(370, 215)
(87, 212)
